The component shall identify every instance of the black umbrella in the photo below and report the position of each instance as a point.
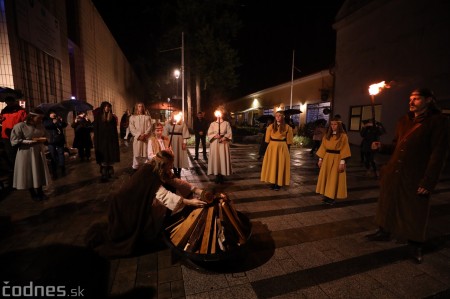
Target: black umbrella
(289, 112)
(6, 92)
(77, 105)
(265, 118)
(58, 108)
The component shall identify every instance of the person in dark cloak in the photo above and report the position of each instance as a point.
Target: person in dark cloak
(137, 210)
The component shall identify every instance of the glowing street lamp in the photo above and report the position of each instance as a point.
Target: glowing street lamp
(176, 74)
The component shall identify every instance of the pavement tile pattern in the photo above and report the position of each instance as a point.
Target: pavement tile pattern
(299, 248)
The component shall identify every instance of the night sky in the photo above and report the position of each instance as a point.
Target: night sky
(271, 31)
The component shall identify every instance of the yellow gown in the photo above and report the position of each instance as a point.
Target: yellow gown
(331, 182)
(276, 167)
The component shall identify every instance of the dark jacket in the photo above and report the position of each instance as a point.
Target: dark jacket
(83, 128)
(55, 131)
(200, 126)
(106, 139)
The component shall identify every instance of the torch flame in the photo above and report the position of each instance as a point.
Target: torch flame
(217, 113)
(177, 117)
(374, 89)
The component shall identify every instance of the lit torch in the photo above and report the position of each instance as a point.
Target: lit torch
(177, 118)
(218, 114)
(375, 89)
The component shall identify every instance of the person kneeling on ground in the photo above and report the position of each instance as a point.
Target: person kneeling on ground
(137, 211)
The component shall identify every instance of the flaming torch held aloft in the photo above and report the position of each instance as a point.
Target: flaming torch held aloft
(177, 118)
(375, 89)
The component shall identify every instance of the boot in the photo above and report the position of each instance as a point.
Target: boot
(41, 193)
(63, 170)
(34, 194)
(54, 173)
(110, 171)
(417, 251)
(104, 173)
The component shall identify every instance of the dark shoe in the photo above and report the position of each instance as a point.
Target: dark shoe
(217, 179)
(110, 171)
(34, 195)
(63, 171)
(272, 187)
(380, 235)
(276, 188)
(328, 201)
(104, 173)
(418, 254)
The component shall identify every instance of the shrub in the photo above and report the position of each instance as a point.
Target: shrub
(302, 141)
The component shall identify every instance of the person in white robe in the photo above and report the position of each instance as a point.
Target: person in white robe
(140, 126)
(31, 169)
(220, 136)
(178, 134)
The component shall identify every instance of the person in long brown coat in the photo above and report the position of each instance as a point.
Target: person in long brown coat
(137, 210)
(406, 182)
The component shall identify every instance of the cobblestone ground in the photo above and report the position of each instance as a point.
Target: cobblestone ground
(299, 247)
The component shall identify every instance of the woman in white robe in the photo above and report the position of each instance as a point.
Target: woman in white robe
(30, 169)
(178, 134)
(140, 126)
(220, 136)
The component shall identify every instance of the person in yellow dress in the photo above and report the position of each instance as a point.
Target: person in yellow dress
(332, 153)
(276, 166)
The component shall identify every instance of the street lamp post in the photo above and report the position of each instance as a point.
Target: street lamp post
(170, 110)
(182, 69)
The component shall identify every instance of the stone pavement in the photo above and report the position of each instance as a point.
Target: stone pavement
(299, 247)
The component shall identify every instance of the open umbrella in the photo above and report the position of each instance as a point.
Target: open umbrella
(265, 118)
(6, 92)
(289, 112)
(77, 105)
(56, 107)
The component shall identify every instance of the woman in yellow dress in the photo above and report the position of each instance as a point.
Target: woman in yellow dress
(332, 153)
(276, 167)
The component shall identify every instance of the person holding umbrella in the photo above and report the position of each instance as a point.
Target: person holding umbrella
(82, 141)
(55, 125)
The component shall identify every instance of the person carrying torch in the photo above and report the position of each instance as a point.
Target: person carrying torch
(178, 134)
(220, 136)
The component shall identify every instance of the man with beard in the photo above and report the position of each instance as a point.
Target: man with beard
(418, 155)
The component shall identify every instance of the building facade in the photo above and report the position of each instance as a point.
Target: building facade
(54, 50)
(311, 94)
(404, 43)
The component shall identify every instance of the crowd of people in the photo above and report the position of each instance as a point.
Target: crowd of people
(160, 153)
